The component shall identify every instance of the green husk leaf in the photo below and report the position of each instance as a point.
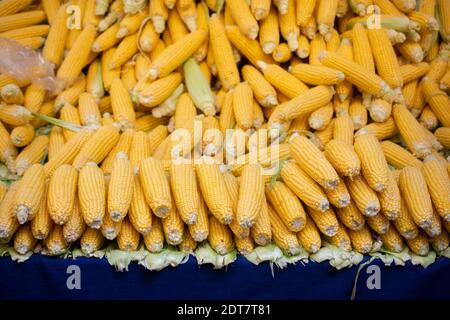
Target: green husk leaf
(399, 258)
(198, 88)
(206, 255)
(17, 257)
(44, 130)
(57, 122)
(445, 253)
(98, 91)
(337, 257)
(77, 252)
(284, 260)
(119, 259)
(260, 254)
(170, 256)
(3, 249)
(424, 261)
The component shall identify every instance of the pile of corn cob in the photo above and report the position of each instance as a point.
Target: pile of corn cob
(334, 115)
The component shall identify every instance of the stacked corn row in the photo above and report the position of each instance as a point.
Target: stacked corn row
(329, 129)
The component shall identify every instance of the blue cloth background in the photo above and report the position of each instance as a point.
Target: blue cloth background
(45, 278)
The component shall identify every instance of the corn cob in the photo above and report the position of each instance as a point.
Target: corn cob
(437, 99)
(12, 94)
(154, 240)
(8, 217)
(364, 197)
(435, 229)
(120, 190)
(243, 105)
(34, 97)
(264, 93)
(358, 113)
(313, 162)
(14, 115)
(438, 183)
(443, 135)
(106, 40)
(399, 157)
(288, 26)
(27, 201)
(91, 194)
(361, 239)
(381, 130)
(343, 128)
(283, 238)
(24, 240)
(419, 245)
(123, 145)
(3, 191)
(350, 216)
(309, 236)
(91, 241)
(404, 223)
(71, 94)
(220, 237)
(98, 147)
(343, 158)
(42, 222)
(185, 191)
(55, 243)
(317, 45)
(243, 17)
(341, 239)
(321, 118)
(325, 221)
(440, 242)
(414, 190)
(75, 60)
(339, 197)
(122, 105)
(304, 11)
(74, 228)
(428, 119)
(89, 111)
(251, 195)
(69, 114)
(22, 136)
(317, 74)
(140, 215)
(54, 45)
(128, 238)
(139, 150)
(269, 35)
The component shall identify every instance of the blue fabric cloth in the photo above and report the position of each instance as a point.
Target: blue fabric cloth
(45, 278)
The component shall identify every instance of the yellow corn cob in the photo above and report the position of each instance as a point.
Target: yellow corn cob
(380, 110)
(106, 40)
(154, 93)
(435, 229)
(130, 24)
(414, 190)
(350, 216)
(70, 95)
(122, 105)
(212, 137)
(8, 151)
(304, 48)
(304, 187)
(411, 51)
(61, 193)
(123, 145)
(75, 60)
(317, 45)
(381, 130)
(220, 237)
(176, 26)
(156, 136)
(88, 110)
(269, 35)
(6, 79)
(310, 29)
(378, 223)
(54, 47)
(40, 30)
(392, 240)
(287, 205)
(185, 191)
(326, 13)
(109, 75)
(148, 122)
(243, 17)
(343, 158)
(361, 239)
(42, 222)
(28, 200)
(437, 99)
(282, 53)
(440, 242)
(50, 8)
(74, 228)
(309, 236)
(411, 131)
(158, 14)
(3, 191)
(419, 245)
(110, 229)
(282, 80)
(213, 188)
(154, 240)
(69, 114)
(313, 162)
(56, 142)
(226, 118)
(12, 94)
(244, 246)
(411, 72)
(98, 147)
(399, 157)
(24, 240)
(125, 50)
(428, 119)
(33, 153)
(260, 9)
(283, 238)
(409, 92)
(364, 197)
(140, 215)
(444, 84)
(243, 105)
(261, 231)
(339, 197)
(8, 217)
(358, 113)
(139, 150)
(188, 12)
(223, 56)
(304, 103)
(128, 238)
(156, 187)
(14, 115)
(148, 38)
(373, 163)
(343, 129)
(232, 186)
(356, 74)
(443, 135)
(174, 55)
(91, 241)
(326, 221)
(120, 190)
(341, 239)
(22, 135)
(91, 194)
(251, 195)
(34, 97)
(173, 227)
(21, 20)
(438, 183)
(247, 47)
(317, 74)
(362, 50)
(304, 11)
(288, 26)
(404, 223)
(390, 199)
(188, 245)
(55, 243)
(200, 229)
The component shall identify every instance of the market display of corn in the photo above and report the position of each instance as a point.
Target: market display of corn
(277, 129)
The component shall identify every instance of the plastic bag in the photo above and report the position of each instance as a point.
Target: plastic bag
(27, 66)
